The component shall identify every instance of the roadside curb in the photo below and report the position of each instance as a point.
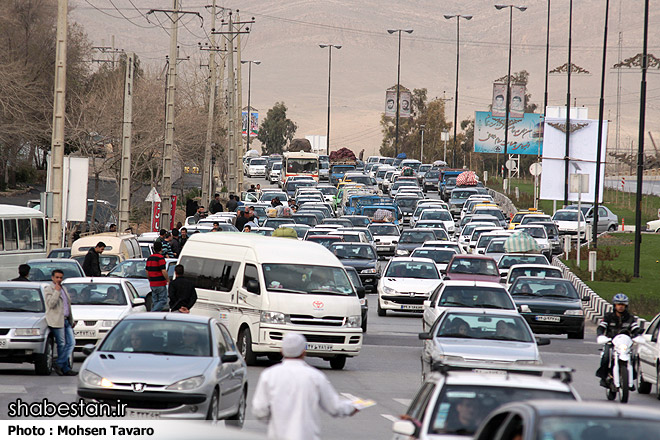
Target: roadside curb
(505, 202)
(597, 306)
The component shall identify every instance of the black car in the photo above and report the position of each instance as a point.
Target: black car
(553, 235)
(549, 305)
(364, 304)
(361, 256)
(430, 180)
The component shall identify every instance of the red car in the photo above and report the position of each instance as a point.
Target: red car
(472, 268)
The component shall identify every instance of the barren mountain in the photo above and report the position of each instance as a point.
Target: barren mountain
(294, 69)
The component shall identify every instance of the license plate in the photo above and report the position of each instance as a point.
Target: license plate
(548, 318)
(84, 333)
(3, 343)
(412, 307)
(142, 414)
(319, 347)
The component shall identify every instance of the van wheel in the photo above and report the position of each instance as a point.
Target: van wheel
(43, 362)
(245, 346)
(338, 362)
(148, 302)
(381, 312)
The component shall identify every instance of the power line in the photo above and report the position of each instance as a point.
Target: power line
(128, 19)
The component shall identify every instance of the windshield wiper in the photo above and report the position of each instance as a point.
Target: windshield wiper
(328, 292)
(554, 295)
(488, 306)
(455, 303)
(282, 289)
(455, 335)
(525, 294)
(14, 309)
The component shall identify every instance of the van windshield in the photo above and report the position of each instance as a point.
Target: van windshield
(307, 279)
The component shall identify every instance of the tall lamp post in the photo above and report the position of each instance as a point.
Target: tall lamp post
(398, 86)
(330, 47)
(249, 110)
(508, 81)
(421, 150)
(458, 39)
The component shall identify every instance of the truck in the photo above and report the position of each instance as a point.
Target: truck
(341, 162)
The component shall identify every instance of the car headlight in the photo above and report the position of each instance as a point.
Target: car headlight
(27, 332)
(445, 358)
(93, 379)
(529, 362)
(524, 308)
(273, 318)
(108, 323)
(578, 312)
(187, 384)
(402, 252)
(353, 321)
(389, 291)
(369, 271)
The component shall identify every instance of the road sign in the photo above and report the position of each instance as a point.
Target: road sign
(153, 196)
(511, 164)
(579, 183)
(535, 169)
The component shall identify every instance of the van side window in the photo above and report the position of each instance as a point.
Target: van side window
(251, 273)
(24, 234)
(38, 241)
(211, 274)
(11, 235)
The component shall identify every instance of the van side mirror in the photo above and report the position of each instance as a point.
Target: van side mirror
(252, 286)
(361, 291)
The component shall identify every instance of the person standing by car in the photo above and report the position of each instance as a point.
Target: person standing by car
(175, 243)
(232, 204)
(92, 266)
(182, 292)
(60, 320)
(23, 273)
(168, 252)
(199, 214)
(242, 219)
(290, 394)
(215, 205)
(157, 274)
(183, 237)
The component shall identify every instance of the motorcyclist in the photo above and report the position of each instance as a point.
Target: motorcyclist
(618, 321)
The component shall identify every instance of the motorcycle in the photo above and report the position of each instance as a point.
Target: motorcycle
(621, 375)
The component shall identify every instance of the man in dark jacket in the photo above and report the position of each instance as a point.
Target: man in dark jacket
(92, 266)
(232, 204)
(215, 205)
(182, 292)
(241, 220)
(23, 273)
(175, 244)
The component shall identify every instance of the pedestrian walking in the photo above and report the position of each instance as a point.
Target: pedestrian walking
(92, 266)
(157, 274)
(182, 292)
(175, 244)
(289, 395)
(215, 205)
(23, 273)
(60, 320)
(232, 204)
(183, 237)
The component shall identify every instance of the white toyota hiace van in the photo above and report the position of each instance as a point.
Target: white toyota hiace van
(263, 287)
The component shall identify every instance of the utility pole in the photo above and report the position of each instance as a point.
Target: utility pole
(127, 126)
(240, 152)
(398, 87)
(249, 103)
(56, 222)
(568, 102)
(207, 171)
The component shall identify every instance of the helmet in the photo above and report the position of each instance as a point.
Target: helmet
(620, 298)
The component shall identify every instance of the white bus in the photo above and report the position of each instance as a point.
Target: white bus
(299, 164)
(22, 238)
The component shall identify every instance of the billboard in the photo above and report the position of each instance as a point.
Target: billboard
(405, 103)
(498, 107)
(517, 106)
(525, 134)
(582, 155)
(155, 218)
(254, 123)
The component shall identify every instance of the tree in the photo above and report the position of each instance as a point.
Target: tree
(276, 130)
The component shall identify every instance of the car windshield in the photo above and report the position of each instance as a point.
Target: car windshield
(327, 190)
(258, 162)
(535, 218)
(567, 216)
(537, 232)
(461, 194)
(460, 409)
(309, 220)
(96, 294)
(130, 269)
(353, 251)
(474, 266)
(451, 181)
(276, 222)
(269, 196)
(307, 279)
(60, 253)
(324, 241)
(159, 337)
(436, 214)
(365, 180)
(384, 229)
(550, 229)
(494, 212)
(424, 168)
(596, 427)
(277, 166)
(416, 236)
(342, 168)
(509, 260)
(431, 175)
(480, 326)
(359, 220)
(107, 262)
(440, 256)
(399, 183)
(406, 202)
(337, 221)
(381, 173)
(495, 247)
(484, 240)
(42, 271)
(472, 296)
(548, 288)
(21, 299)
(412, 269)
(291, 186)
(533, 272)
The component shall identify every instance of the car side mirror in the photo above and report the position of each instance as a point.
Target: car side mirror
(252, 286)
(424, 336)
(229, 357)
(361, 291)
(427, 303)
(395, 241)
(404, 427)
(502, 280)
(88, 349)
(376, 240)
(542, 341)
(138, 302)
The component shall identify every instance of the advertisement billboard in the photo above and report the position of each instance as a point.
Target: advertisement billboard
(499, 100)
(254, 123)
(405, 98)
(405, 103)
(155, 219)
(525, 134)
(517, 106)
(390, 103)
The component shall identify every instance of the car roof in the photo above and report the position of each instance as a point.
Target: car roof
(473, 257)
(510, 380)
(414, 259)
(164, 316)
(32, 284)
(534, 266)
(449, 283)
(606, 410)
(95, 280)
(53, 260)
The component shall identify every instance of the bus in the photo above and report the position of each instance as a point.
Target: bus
(299, 164)
(22, 238)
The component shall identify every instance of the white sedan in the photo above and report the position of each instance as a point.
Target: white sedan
(407, 282)
(98, 304)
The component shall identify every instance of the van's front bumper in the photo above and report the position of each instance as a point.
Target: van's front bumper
(320, 343)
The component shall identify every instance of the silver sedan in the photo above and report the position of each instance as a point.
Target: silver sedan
(168, 365)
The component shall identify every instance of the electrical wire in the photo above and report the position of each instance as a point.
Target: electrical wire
(128, 19)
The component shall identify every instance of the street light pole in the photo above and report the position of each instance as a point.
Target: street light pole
(458, 39)
(249, 108)
(398, 86)
(421, 151)
(568, 102)
(329, 46)
(508, 84)
(547, 60)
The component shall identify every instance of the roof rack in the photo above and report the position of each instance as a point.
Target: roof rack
(565, 374)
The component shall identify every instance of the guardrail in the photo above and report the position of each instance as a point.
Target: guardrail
(505, 203)
(597, 306)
